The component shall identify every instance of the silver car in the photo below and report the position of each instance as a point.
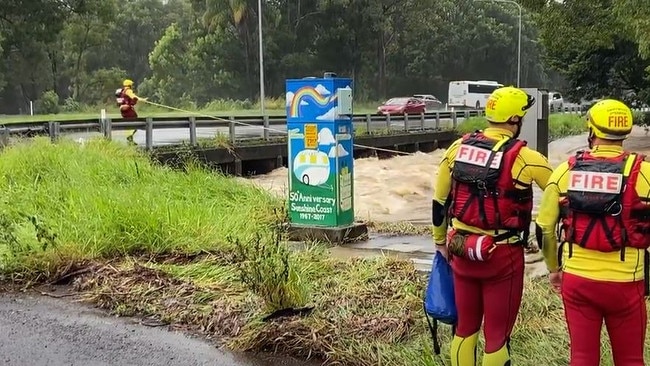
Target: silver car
(431, 103)
(555, 102)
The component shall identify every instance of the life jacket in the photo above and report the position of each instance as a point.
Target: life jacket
(483, 192)
(121, 98)
(602, 210)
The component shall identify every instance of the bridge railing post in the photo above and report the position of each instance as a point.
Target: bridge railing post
(108, 128)
(53, 129)
(149, 133)
(266, 134)
(192, 131)
(368, 123)
(232, 134)
(4, 137)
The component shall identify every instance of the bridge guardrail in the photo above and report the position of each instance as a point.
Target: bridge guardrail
(229, 126)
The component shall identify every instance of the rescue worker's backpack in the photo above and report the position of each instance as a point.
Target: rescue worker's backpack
(483, 191)
(602, 210)
(119, 99)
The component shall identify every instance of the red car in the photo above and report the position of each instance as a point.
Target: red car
(402, 106)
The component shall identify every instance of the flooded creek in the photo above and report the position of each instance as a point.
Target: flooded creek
(400, 189)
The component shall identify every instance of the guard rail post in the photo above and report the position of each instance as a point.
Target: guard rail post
(108, 129)
(149, 133)
(231, 130)
(266, 133)
(50, 130)
(4, 137)
(388, 121)
(53, 129)
(454, 119)
(422, 121)
(192, 131)
(102, 124)
(368, 123)
(406, 122)
(437, 120)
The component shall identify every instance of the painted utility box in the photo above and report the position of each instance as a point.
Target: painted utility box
(320, 150)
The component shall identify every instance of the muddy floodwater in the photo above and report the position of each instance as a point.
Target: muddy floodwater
(400, 189)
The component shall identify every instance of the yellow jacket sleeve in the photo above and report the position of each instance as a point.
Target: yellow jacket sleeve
(536, 168)
(441, 190)
(129, 93)
(549, 216)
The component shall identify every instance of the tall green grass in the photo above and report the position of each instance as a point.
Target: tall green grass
(106, 199)
(559, 125)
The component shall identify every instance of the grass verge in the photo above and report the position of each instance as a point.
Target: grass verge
(365, 311)
(560, 125)
(65, 202)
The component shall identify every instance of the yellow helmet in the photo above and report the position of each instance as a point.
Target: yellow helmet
(127, 83)
(610, 119)
(507, 102)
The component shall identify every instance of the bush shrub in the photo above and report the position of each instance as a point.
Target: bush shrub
(48, 103)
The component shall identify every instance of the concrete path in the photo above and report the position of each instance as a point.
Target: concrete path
(419, 249)
(44, 331)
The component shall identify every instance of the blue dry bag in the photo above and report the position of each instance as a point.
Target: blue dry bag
(439, 303)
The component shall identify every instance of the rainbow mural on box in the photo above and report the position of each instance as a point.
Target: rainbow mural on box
(320, 153)
(313, 102)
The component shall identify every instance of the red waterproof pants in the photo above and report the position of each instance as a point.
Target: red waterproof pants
(621, 305)
(492, 289)
(128, 112)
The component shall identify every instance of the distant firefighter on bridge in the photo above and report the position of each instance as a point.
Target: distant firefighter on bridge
(126, 100)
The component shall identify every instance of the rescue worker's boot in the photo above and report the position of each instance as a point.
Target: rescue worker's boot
(498, 358)
(463, 350)
(129, 138)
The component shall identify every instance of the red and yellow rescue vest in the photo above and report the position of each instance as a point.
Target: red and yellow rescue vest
(483, 191)
(602, 210)
(122, 99)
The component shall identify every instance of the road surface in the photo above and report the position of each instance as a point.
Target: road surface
(44, 331)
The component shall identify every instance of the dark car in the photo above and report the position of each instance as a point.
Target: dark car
(402, 105)
(430, 102)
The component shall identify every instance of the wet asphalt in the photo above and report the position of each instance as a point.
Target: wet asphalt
(37, 330)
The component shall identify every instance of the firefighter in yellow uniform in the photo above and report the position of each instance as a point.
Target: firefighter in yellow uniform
(601, 200)
(484, 186)
(126, 100)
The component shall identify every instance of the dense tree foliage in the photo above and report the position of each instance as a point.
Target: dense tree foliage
(601, 47)
(70, 53)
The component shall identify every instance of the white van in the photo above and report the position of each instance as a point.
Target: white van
(472, 94)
